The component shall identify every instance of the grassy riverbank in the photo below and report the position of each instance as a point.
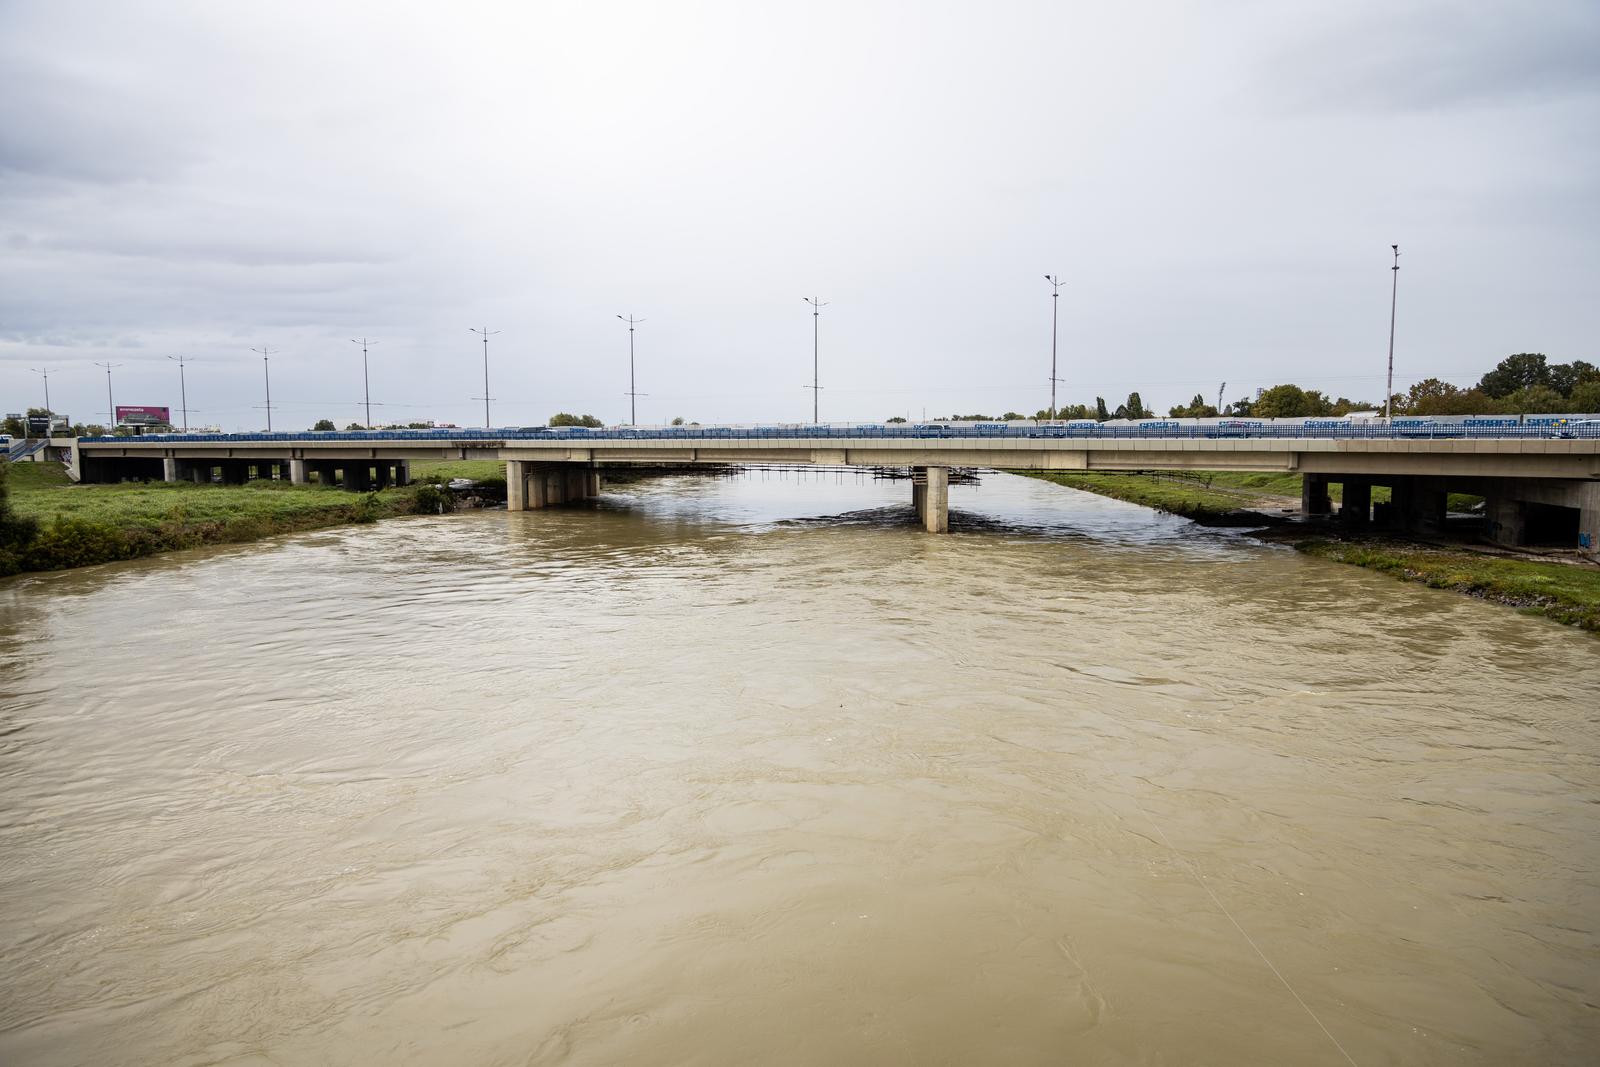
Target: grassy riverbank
(1191, 498)
(79, 525)
(1564, 592)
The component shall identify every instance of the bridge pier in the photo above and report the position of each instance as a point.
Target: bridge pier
(1356, 508)
(930, 496)
(297, 472)
(535, 485)
(1314, 499)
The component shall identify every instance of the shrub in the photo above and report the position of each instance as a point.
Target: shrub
(430, 499)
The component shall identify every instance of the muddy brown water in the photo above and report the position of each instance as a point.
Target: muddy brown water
(728, 771)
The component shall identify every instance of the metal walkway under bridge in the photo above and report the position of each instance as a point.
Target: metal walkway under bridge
(1540, 476)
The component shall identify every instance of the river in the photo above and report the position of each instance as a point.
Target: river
(752, 770)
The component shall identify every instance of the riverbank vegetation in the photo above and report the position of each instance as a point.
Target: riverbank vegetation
(1191, 498)
(1520, 384)
(48, 523)
(1565, 592)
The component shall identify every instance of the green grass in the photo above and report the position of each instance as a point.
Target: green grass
(476, 469)
(155, 504)
(1276, 483)
(1564, 592)
(1180, 497)
(80, 525)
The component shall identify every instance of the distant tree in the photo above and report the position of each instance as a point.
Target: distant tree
(324, 424)
(1100, 411)
(1344, 406)
(1288, 402)
(1586, 397)
(14, 427)
(1012, 416)
(1074, 411)
(1521, 371)
(419, 425)
(678, 420)
(353, 426)
(892, 419)
(1534, 400)
(1434, 397)
(562, 418)
(94, 429)
(1565, 377)
(1195, 409)
(1135, 407)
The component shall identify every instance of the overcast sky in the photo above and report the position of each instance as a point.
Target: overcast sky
(1217, 184)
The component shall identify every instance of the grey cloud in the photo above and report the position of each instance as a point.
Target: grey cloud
(1437, 56)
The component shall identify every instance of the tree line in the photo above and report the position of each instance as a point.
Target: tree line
(1521, 384)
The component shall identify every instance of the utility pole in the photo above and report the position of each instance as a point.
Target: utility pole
(183, 390)
(633, 395)
(1394, 294)
(111, 407)
(366, 386)
(817, 305)
(46, 372)
(266, 373)
(1223, 388)
(1055, 307)
(487, 333)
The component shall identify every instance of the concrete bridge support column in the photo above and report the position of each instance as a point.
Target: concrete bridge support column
(234, 472)
(516, 485)
(936, 501)
(357, 476)
(1420, 505)
(297, 472)
(1357, 507)
(555, 488)
(169, 469)
(402, 472)
(385, 472)
(1589, 518)
(1504, 521)
(1314, 499)
(577, 483)
(594, 481)
(197, 471)
(537, 484)
(919, 492)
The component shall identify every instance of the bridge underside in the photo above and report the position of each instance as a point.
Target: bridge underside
(1537, 491)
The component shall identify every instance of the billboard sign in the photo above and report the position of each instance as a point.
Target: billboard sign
(142, 415)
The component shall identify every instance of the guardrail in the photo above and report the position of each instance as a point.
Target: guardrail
(923, 433)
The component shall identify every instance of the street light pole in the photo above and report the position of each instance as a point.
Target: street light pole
(1055, 309)
(1394, 294)
(111, 407)
(46, 372)
(266, 374)
(183, 390)
(487, 333)
(633, 394)
(817, 305)
(366, 385)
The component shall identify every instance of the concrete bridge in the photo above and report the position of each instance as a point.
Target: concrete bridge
(1538, 487)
